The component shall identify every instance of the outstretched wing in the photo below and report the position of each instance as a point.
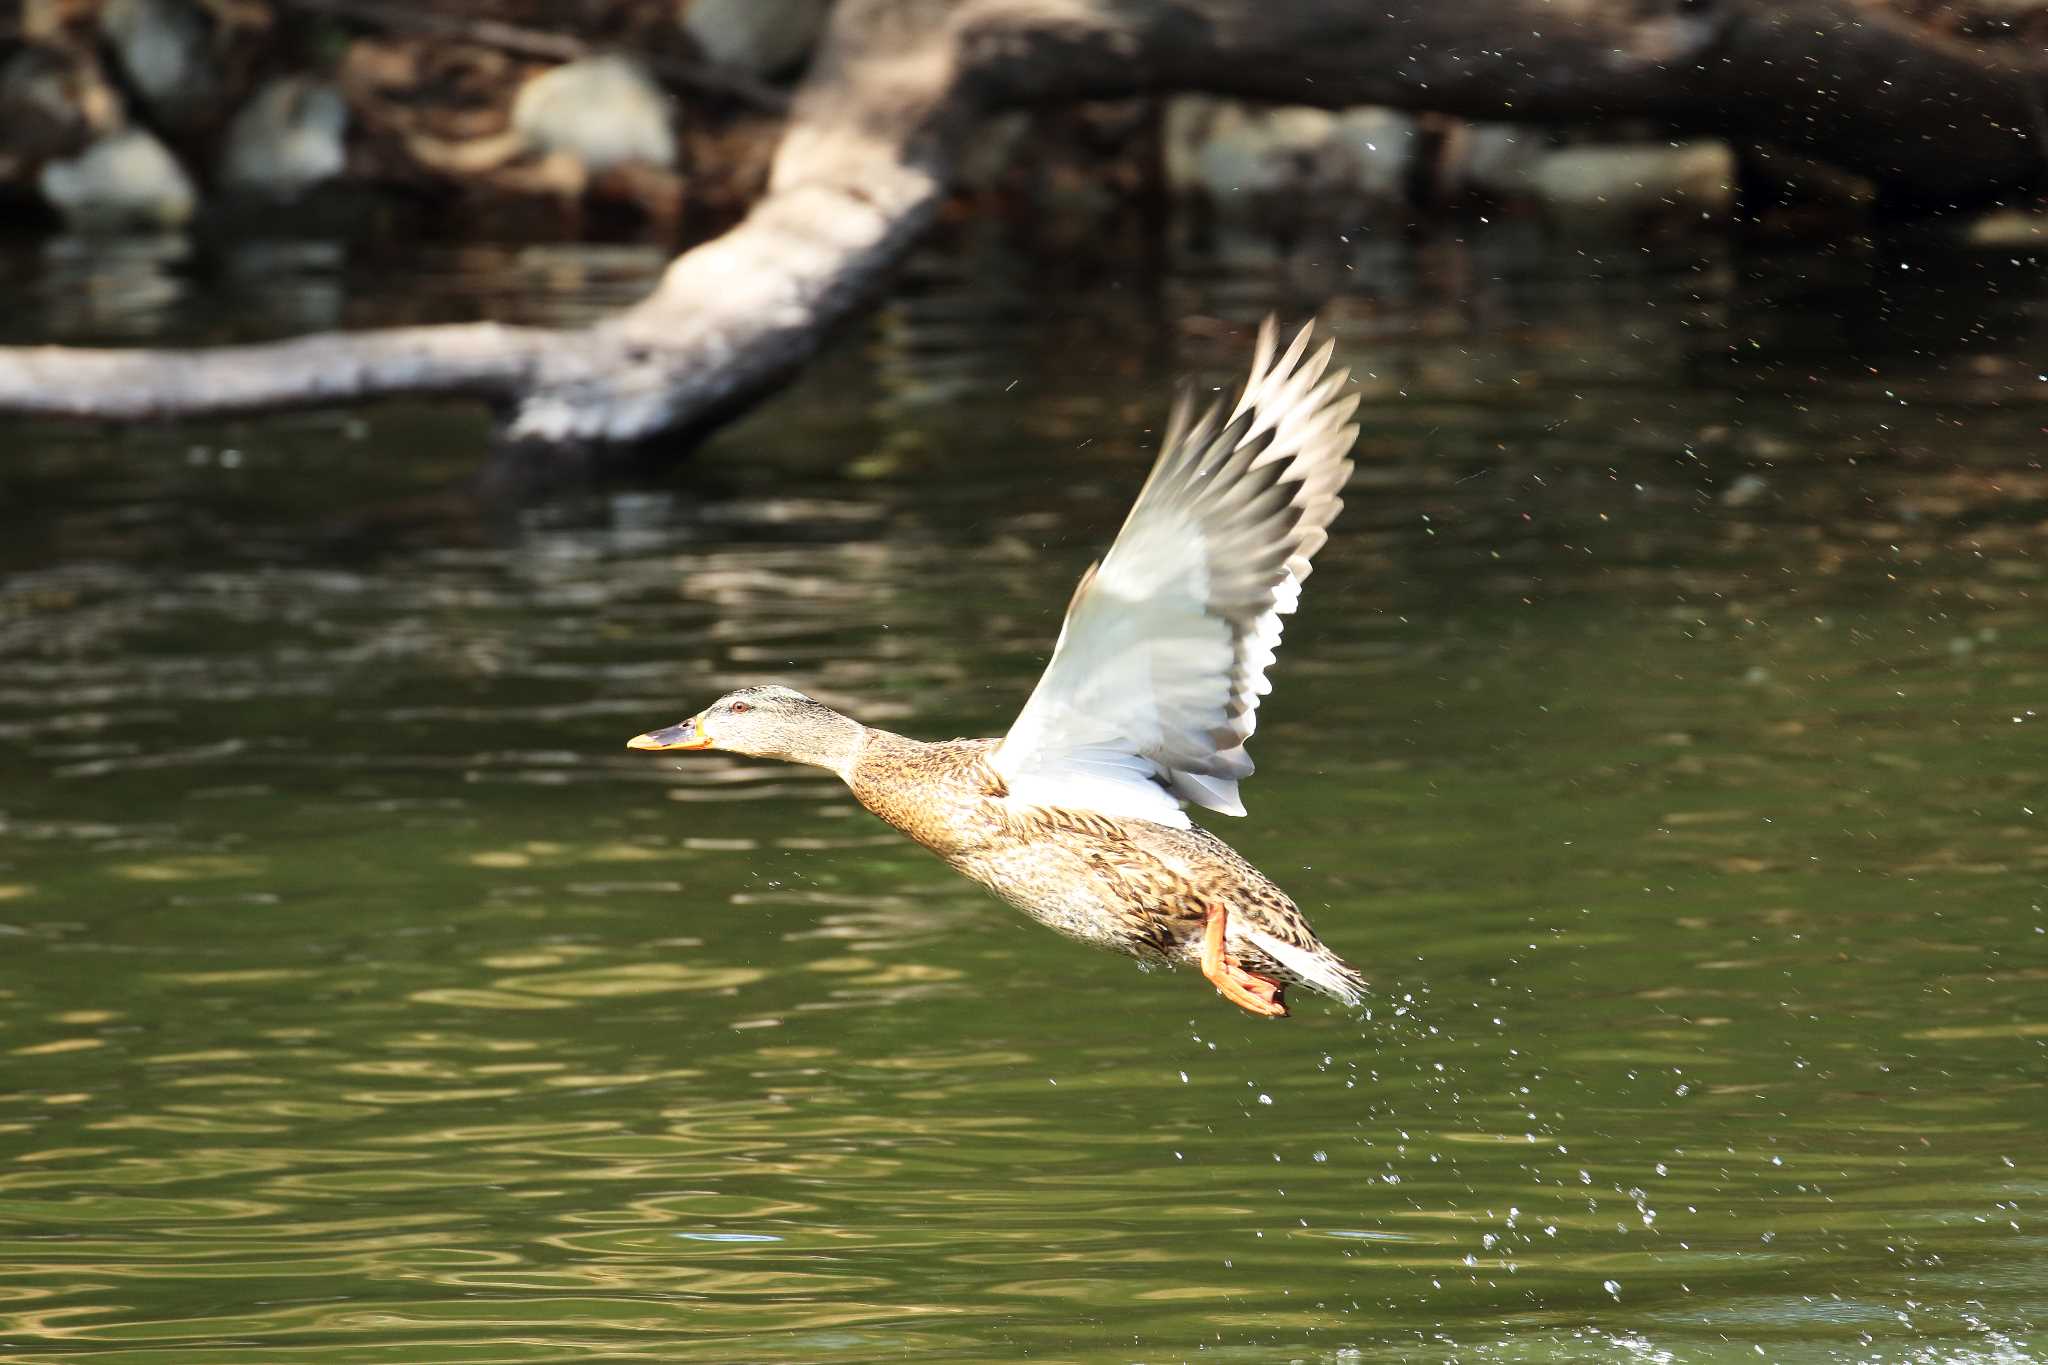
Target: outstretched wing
(1155, 683)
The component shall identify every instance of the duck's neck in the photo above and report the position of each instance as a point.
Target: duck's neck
(836, 746)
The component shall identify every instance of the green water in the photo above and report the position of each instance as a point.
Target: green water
(1660, 734)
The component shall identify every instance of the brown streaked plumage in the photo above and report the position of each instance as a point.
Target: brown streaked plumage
(1075, 816)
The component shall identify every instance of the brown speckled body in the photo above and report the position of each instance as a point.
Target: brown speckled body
(1137, 886)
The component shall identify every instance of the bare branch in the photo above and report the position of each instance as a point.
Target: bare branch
(477, 358)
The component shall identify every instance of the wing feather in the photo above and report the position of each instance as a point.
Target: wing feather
(1154, 685)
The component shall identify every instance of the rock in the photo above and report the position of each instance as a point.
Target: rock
(288, 138)
(1225, 149)
(762, 37)
(2021, 229)
(1592, 184)
(1622, 183)
(1376, 150)
(51, 104)
(126, 179)
(603, 111)
(1492, 158)
(1746, 491)
(163, 45)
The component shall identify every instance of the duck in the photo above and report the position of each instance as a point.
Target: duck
(1078, 815)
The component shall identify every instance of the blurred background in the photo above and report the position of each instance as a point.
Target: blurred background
(656, 120)
(1658, 734)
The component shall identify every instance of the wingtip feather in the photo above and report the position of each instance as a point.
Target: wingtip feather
(1219, 538)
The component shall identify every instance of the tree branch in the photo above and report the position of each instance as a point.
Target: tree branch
(483, 359)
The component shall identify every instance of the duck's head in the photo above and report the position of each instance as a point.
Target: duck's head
(766, 722)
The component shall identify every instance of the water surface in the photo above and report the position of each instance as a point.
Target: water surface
(1659, 735)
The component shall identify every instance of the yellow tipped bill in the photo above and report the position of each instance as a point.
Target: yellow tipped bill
(688, 735)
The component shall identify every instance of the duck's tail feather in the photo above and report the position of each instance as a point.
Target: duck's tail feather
(1316, 966)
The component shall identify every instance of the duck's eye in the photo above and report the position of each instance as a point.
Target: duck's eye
(740, 708)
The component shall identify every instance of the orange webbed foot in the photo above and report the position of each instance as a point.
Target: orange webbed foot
(1247, 990)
